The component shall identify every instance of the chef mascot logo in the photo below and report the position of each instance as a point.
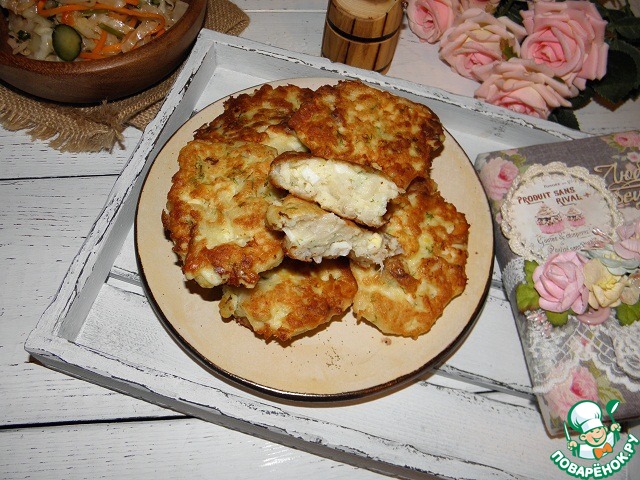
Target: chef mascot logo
(597, 443)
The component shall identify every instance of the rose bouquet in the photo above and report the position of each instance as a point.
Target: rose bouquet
(541, 58)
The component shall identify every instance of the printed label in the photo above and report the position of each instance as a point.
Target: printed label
(552, 208)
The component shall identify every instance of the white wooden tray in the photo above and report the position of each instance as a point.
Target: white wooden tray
(101, 328)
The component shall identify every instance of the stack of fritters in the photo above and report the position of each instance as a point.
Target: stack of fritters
(317, 177)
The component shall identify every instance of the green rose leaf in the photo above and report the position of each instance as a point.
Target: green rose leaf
(529, 267)
(507, 50)
(620, 79)
(527, 297)
(627, 314)
(627, 27)
(633, 52)
(582, 99)
(511, 9)
(557, 319)
(565, 116)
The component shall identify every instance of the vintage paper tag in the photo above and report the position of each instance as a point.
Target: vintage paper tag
(555, 208)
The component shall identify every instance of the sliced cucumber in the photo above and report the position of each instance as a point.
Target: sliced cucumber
(67, 42)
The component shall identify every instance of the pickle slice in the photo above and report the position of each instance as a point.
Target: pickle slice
(67, 42)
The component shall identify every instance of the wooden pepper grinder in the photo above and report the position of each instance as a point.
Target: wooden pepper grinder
(362, 33)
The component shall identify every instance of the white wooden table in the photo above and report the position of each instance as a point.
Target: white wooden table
(55, 426)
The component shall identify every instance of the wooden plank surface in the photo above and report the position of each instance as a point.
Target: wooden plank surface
(171, 448)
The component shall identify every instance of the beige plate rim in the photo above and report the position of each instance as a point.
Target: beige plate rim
(341, 369)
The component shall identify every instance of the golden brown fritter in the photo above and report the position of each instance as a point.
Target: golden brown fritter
(312, 233)
(291, 299)
(260, 117)
(357, 123)
(216, 209)
(410, 293)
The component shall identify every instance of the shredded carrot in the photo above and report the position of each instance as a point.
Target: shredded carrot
(135, 3)
(110, 49)
(99, 6)
(101, 42)
(134, 13)
(67, 18)
(62, 9)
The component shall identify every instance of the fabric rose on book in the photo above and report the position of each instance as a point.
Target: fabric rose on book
(429, 19)
(524, 87)
(496, 176)
(631, 292)
(622, 256)
(617, 265)
(628, 245)
(568, 37)
(605, 288)
(477, 41)
(560, 283)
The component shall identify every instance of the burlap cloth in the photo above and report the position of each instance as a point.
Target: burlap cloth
(94, 128)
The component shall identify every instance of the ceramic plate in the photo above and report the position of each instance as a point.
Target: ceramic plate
(346, 359)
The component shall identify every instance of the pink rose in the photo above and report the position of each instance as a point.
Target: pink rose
(524, 87)
(477, 41)
(560, 283)
(581, 385)
(568, 37)
(488, 6)
(428, 19)
(497, 176)
(628, 245)
(627, 139)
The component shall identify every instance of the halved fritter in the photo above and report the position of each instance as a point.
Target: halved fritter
(356, 123)
(216, 209)
(312, 233)
(410, 293)
(260, 117)
(291, 299)
(347, 189)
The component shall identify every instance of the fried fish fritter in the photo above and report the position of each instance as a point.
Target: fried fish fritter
(357, 123)
(259, 117)
(410, 293)
(291, 299)
(347, 189)
(216, 209)
(312, 233)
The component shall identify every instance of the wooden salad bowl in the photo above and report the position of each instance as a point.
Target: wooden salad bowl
(92, 81)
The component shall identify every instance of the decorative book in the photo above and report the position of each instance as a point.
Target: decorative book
(567, 223)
